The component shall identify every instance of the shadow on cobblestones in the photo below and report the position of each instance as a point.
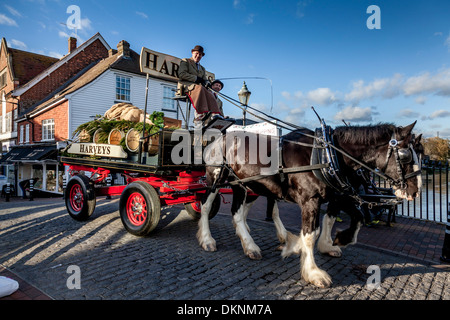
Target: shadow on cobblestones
(40, 242)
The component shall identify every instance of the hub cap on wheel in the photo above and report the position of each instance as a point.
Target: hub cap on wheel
(76, 197)
(136, 209)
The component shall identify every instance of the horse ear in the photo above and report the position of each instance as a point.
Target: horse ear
(405, 131)
(418, 138)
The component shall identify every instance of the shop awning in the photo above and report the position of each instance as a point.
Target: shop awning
(30, 153)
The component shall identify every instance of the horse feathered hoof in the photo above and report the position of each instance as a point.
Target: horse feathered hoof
(254, 255)
(209, 247)
(319, 278)
(335, 253)
(322, 283)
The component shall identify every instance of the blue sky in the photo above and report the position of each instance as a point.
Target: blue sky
(315, 52)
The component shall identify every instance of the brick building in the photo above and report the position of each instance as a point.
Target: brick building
(34, 154)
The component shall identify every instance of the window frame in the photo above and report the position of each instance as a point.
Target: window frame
(166, 99)
(118, 96)
(45, 131)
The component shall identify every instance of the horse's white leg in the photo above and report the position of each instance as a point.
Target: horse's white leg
(282, 233)
(309, 270)
(243, 231)
(291, 244)
(325, 243)
(204, 233)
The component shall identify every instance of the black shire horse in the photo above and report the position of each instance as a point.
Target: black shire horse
(383, 146)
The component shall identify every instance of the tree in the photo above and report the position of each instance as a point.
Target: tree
(437, 148)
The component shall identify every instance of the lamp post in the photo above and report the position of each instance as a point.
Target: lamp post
(244, 96)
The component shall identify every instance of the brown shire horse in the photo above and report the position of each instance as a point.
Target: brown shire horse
(375, 146)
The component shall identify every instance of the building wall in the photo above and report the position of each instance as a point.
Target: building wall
(98, 96)
(7, 105)
(58, 113)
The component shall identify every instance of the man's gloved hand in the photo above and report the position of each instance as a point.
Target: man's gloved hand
(200, 81)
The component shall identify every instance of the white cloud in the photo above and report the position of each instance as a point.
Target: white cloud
(426, 83)
(438, 83)
(438, 114)
(13, 11)
(7, 21)
(301, 5)
(86, 24)
(55, 54)
(18, 44)
(385, 87)
(408, 113)
(447, 42)
(352, 113)
(63, 34)
(250, 18)
(142, 14)
(322, 96)
(421, 100)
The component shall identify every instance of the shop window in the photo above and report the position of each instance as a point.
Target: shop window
(38, 173)
(51, 178)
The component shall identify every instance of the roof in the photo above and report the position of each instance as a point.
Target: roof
(26, 65)
(84, 77)
(89, 74)
(30, 153)
(25, 87)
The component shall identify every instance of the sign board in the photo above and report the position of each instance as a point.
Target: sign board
(95, 149)
(162, 65)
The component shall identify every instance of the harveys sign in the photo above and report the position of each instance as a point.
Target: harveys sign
(162, 65)
(99, 150)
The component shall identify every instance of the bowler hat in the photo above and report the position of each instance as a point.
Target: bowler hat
(199, 49)
(217, 81)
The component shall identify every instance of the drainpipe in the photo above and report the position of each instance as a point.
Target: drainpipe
(27, 118)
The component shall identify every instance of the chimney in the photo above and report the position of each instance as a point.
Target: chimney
(124, 48)
(111, 52)
(72, 44)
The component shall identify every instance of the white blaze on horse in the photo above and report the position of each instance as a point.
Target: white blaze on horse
(385, 146)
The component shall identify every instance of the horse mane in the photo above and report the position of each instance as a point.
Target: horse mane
(369, 134)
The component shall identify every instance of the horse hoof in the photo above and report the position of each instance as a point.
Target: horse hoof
(335, 253)
(209, 247)
(254, 255)
(322, 283)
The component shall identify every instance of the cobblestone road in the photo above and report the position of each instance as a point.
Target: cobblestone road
(39, 242)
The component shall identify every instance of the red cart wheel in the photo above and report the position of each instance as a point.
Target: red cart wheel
(80, 198)
(195, 208)
(140, 208)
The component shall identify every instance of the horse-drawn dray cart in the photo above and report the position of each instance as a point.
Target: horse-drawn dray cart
(152, 181)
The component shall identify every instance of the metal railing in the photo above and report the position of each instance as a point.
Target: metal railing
(433, 202)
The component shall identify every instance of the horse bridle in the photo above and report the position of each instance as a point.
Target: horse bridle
(402, 156)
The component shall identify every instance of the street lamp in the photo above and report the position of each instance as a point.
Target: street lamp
(244, 96)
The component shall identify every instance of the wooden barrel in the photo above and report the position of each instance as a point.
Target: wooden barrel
(115, 136)
(132, 140)
(96, 136)
(84, 136)
(153, 145)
